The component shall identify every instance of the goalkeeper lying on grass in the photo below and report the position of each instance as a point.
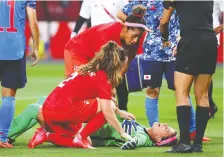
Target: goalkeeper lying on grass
(159, 135)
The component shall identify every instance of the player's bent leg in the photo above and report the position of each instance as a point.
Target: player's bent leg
(60, 140)
(33, 121)
(151, 104)
(201, 86)
(40, 134)
(94, 124)
(213, 106)
(24, 121)
(154, 69)
(6, 112)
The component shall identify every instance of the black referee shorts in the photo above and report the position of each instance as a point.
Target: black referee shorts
(197, 53)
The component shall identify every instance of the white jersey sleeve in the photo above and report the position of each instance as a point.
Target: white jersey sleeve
(217, 10)
(85, 9)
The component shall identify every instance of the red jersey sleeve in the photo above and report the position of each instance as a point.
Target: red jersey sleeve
(105, 88)
(140, 45)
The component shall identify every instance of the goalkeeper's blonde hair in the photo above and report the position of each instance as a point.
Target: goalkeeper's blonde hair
(110, 59)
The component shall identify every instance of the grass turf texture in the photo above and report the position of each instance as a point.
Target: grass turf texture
(44, 77)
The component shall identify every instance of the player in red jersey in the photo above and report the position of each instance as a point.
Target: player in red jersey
(68, 105)
(82, 48)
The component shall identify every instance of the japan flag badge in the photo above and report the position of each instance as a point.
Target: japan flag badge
(147, 77)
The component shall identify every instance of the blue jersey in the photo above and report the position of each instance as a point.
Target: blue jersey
(153, 49)
(12, 28)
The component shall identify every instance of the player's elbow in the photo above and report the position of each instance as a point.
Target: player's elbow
(33, 24)
(107, 106)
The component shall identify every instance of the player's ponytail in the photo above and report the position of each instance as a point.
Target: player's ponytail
(137, 15)
(110, 59)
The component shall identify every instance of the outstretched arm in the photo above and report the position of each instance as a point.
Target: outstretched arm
(109, 110)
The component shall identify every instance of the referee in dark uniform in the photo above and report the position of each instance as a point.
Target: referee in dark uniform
(195, 62)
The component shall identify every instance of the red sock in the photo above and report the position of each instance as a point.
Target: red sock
(60, 140)
(93, 125)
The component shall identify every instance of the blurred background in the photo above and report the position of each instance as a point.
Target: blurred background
(57, 21)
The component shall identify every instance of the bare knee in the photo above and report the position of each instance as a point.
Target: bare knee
(8, 92)
(201, 98)
(152, 92)
(182, 96)
(201, 85)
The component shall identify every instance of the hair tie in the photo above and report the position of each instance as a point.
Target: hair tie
(138, 15)
(169, 140)
(137, 25)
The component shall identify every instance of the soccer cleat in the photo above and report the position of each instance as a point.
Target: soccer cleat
(213, 111)
(180, 148)
(197, 148)
(5, 145)
(39, 137)
(193, 134)
(82, 143)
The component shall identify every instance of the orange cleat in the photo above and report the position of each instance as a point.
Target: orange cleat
(206, 139)
(5, 145)
(40, 136)
(193, 134)
(82, 143)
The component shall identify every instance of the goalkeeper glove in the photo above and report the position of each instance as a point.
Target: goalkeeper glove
(130, 145)
(128, 125)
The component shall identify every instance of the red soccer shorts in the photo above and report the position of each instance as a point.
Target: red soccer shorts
(71, 60)
(67, 117)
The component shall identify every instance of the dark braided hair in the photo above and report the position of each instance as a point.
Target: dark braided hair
(137, 15)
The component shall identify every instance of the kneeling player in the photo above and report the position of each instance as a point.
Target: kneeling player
(158, 135)
(69, 104)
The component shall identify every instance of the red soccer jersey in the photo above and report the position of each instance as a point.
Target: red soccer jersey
(79, 87)
(90, 41)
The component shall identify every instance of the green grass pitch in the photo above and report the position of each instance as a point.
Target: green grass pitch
(44, 77)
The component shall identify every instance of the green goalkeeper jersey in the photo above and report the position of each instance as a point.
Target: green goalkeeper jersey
(108, 136)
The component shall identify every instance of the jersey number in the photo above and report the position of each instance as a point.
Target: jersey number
(11, 27)
(68, 79)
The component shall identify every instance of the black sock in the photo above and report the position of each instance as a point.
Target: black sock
(210, 91)
(122, 96)
(184, 116)
(202, 116)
